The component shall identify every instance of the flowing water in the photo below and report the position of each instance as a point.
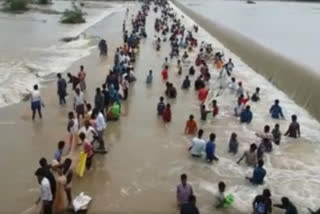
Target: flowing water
(40, 54)
(146, 156)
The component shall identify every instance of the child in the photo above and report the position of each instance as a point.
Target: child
(233, 144)
(191, 126)
(220, 195)
(164, 73)
(166, 115)
(276, 133)
(87, 148)
(149, 77)
(161, 106)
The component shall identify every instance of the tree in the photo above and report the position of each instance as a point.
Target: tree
(15, 5)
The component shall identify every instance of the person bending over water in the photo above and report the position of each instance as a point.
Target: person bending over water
(256, 96)
(294, 128)
(258, 174)
(287, 205)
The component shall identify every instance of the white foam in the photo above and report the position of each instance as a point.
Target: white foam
(292, 168)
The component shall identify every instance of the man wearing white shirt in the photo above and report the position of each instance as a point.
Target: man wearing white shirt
(36, 102)
(89, 131)
(45, 192)
(100, 127)
(198, 145)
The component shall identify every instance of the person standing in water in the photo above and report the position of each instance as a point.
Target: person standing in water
(161, 106)
(220, 198)
(256, 96)
(190, 207)
(294, 128)
(204, 112)
(82, 78)
(258, 174)
(100, 126)
(149, 77)
(186, 83)
(36, 102)
(287, 205)
(233, 144)
(250, 155)
(166, 114)
(62, 89)
(184, 191)
(164, 73)
(191, 126)
(211, 149)
(72, 127)
(246, 115)
(198, 145)
(276, 110)
(78, 103)
(262, 204)
(276, 133)
(45, 192)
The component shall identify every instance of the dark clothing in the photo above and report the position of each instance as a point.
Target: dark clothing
(276, 112)
(62, 90)
(255, 97)
(106, 97)
(210, 151)
(99, 102)
(186, 84)
(293, 130)
(75, 81)
(48, 174)
(262, 205)
(246, 116)
(290, 209)
(258, 175)
(189, 208)
(198, 84)
(161, 106)
(276, 136)
(47, 207)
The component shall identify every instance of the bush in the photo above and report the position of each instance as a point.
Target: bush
(74, 16)
(43, 2)
(16, 5)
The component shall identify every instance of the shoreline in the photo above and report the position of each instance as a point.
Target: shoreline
(304, 86)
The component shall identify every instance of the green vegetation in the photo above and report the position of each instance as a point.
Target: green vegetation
(43, 1)
(73, 16)
(15, 5)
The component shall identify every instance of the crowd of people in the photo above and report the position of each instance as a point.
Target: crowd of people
(87, 121)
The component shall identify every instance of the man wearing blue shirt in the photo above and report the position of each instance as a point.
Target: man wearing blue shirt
(211, 148)
(246, 115)
(258, 174)
(276, 110)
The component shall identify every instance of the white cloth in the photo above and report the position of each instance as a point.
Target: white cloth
(100, 122)
(88, 132)
(198, 146)
(81, 202)
(35, 96)
(78, 99)
(45, 190)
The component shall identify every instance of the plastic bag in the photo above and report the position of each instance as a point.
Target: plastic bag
(81, 202)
